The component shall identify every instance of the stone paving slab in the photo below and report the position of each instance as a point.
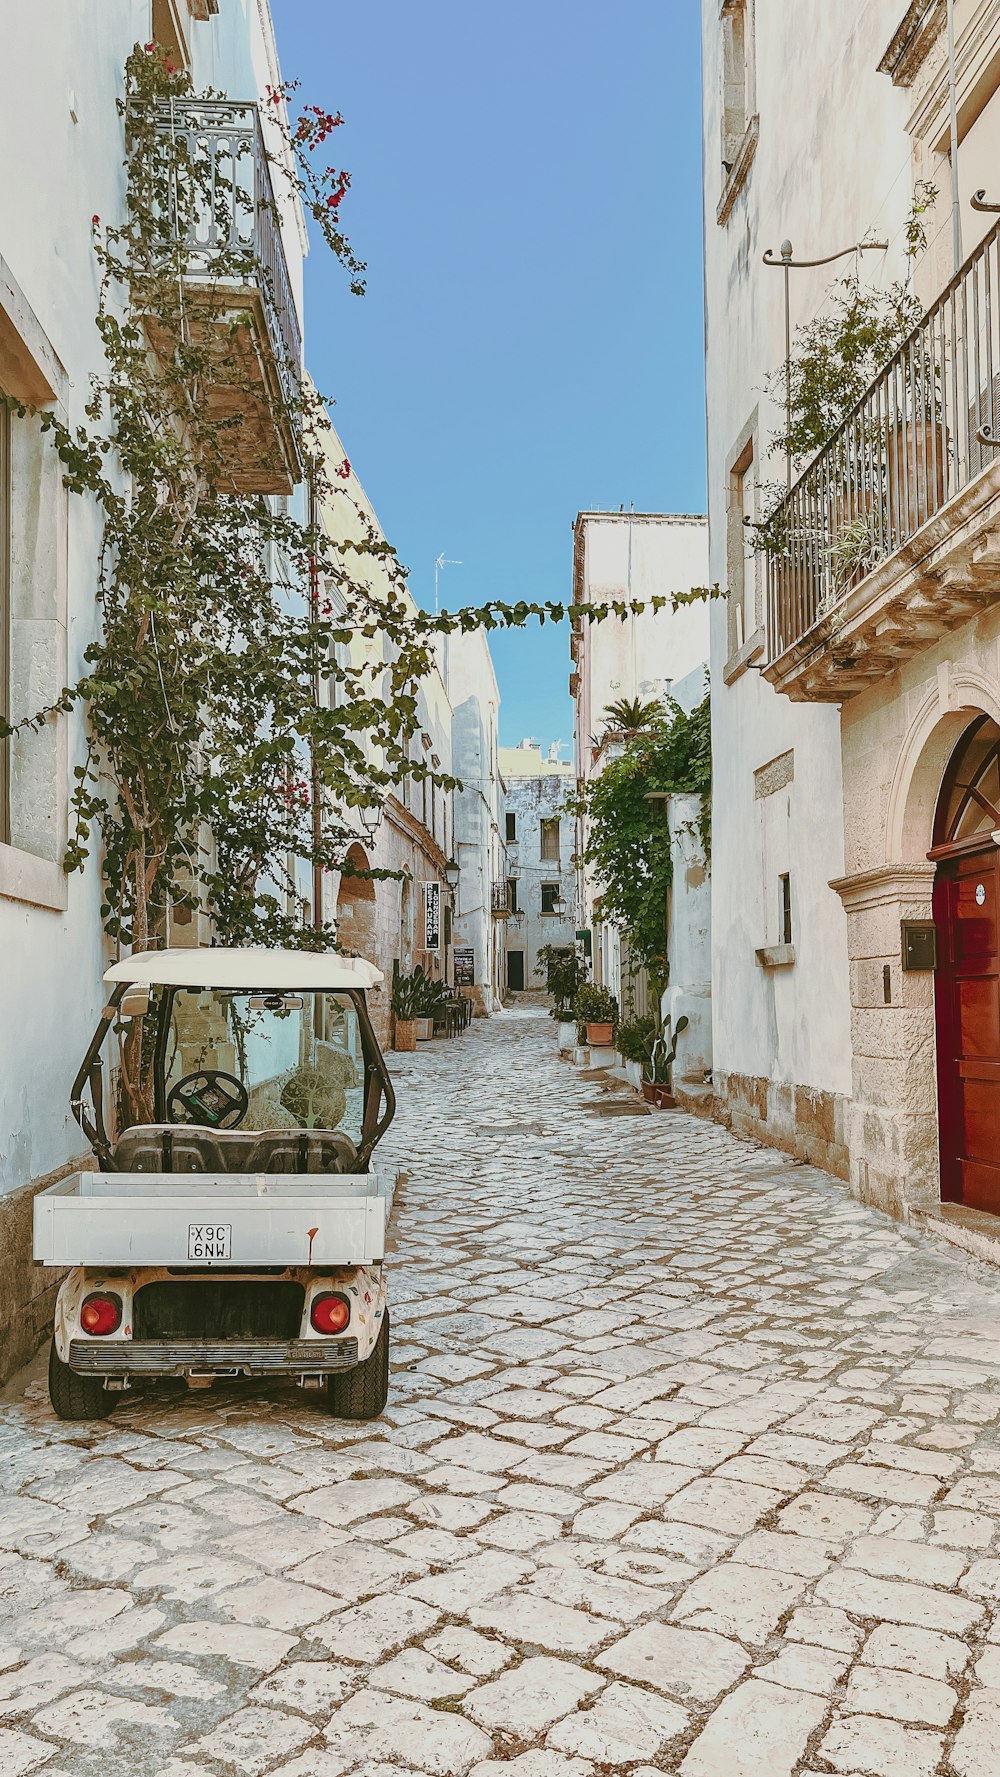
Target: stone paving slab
(691, 1466)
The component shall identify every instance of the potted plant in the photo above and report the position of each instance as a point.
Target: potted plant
(659, 1065)
(562, 965)
(405, 1009)
(634, 1040)
(596, 1009)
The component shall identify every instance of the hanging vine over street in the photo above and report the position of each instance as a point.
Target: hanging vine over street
(206, 740)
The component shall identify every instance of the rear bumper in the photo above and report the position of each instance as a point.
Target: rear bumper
(222, 1357)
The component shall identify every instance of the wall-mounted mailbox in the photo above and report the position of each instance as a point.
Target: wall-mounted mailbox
(919, 944)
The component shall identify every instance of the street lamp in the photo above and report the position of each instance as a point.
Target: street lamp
(371, 817)
(452, 872)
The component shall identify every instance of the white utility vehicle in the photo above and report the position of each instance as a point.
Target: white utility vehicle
(241, 1232)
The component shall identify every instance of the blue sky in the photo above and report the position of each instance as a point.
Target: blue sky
(526, 192)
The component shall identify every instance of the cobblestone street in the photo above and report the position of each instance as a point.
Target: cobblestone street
(691, 1464)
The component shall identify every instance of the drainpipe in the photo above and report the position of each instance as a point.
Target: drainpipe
(956, 213)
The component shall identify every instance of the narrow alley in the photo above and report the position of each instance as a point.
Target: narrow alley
(690, 1465)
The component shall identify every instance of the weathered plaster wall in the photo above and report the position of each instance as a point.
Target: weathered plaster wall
(479, 844)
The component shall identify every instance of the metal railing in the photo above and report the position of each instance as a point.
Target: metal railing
(908, 446)
(222, 207)
(501, 901)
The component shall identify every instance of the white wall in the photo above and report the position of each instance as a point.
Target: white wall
(538, 790)
(479, 847)
(822, 181)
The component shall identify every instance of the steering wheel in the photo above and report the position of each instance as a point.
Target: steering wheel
(209, 1096)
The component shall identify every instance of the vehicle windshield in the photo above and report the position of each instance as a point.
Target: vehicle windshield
(298, 1058)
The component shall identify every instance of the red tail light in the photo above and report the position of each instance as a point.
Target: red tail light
(101, 1313)
(330, 1313)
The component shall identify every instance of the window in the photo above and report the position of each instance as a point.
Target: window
(737, 78)
(168, 32)
(741, 556)
(785, 908)
(511, 828)
(550, 896)
(4, 619)
(739, 122)
(512, 894)
(550, 841)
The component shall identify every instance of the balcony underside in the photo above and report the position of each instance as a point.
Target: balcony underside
(944, 575)
(245, 389)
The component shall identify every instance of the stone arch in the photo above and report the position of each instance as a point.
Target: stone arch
(356, 906)
(930, 741)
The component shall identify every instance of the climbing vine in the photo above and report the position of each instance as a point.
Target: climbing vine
(231, 729)
(628, 840)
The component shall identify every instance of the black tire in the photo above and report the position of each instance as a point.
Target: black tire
(73, 1396)
(361, 1393)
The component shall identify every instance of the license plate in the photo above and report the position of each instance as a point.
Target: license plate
(210, 1240)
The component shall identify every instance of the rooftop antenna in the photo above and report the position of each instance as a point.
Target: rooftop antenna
(442, 561)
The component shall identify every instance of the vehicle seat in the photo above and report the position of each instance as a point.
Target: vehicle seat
(191, 1147)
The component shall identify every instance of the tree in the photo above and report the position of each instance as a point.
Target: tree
(631, 716)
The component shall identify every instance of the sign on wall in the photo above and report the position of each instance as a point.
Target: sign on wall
(465, 967)
(432, 916)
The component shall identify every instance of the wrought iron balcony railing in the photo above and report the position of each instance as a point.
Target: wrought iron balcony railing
(501, 901)
(909, 446)
(221, 210)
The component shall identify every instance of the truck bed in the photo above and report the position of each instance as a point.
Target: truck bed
(230, 1220)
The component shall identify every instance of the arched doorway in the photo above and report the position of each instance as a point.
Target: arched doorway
(356, 906)
(967, 987)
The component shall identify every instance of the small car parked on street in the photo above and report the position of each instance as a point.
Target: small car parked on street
(240, 1232)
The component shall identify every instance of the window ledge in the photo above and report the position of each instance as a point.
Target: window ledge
(776, 956)
(738, 173)
(737, 663)
(38, 881)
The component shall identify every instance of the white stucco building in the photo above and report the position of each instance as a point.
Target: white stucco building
(479, 843)
(540, 874)
(856, 662)
(63, 145)
(656, 654)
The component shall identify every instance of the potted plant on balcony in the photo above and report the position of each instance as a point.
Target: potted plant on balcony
(596, 1010)
(658, 1066)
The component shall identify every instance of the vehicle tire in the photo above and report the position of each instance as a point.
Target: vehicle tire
(73, 1396)
(361, 1393)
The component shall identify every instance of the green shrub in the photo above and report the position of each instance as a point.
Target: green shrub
(634, 1040)
(595, 1005)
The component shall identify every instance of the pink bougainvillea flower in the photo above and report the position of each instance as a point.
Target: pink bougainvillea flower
(95, 221)
(345, 469)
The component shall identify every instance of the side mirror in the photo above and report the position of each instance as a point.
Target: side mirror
(134, 1002)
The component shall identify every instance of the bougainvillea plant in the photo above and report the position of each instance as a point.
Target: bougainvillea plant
(231, 727)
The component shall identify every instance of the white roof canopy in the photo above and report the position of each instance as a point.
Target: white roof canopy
(216, 966)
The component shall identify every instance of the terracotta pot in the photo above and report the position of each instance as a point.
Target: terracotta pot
(665, 1098)
(406, 1035)
(649, 1091)
(599, 1035)
(917, 473)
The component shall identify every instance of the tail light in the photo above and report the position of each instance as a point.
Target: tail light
(330, 1313)
(101, 1313)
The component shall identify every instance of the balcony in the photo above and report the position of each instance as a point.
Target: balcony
(891, 537)
(222, 216)
(501, 901)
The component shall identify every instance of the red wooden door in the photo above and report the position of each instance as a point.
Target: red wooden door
(967, 913)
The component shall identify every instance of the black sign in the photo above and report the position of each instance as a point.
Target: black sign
(432, 916)
(465, 967)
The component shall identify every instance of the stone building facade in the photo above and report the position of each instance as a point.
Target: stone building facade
(539, 834)
(61, 129)
(856, 661)
(479, 849)
(644, 657)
